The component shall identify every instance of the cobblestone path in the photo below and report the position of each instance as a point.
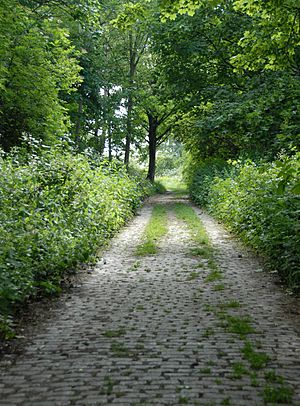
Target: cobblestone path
(145, 331)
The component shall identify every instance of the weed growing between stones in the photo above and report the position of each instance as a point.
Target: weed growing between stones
(135, 266)
(226, 402)
(239, 370)
(275, 395)
(238, 325)
(155, 229)
(206, 371)
(272, 377)
(114, 333)
(197, 230)
(203, 248)
(119, 350)
(275, 390)
(192, 276)
(208, 333)
(214, 275)
(257, 360)
(219, 287)
(108, 386)
(183, 400)
(232, 304)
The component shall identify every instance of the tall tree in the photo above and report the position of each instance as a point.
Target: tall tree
(236, 107)
(39, 62)
(132, 21)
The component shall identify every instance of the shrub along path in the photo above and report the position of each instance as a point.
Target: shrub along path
(194, 324)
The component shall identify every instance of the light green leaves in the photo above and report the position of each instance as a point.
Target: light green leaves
(56, 211)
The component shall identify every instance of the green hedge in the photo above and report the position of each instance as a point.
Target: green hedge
(55, 212)
(260, 202)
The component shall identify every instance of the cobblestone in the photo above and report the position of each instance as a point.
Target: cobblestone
(139, 332)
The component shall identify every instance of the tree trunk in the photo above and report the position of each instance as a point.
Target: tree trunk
(78, 123)
(153, 124)
(132, 72)
(128, 130)
(109, 142)
(101, 142)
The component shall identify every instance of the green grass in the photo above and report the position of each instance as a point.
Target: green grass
(272, 377)
(239, 325)
(208, 332)
(282, 394)
(183, 400)
(204, 251)
(197, 230)
(257, 360)
(232, 304)
(114, 333)
(206, 371)
(239, 370)
(254, 379)
(226, 402)
(134, 267)
(108, 386)
(173, 185)
(119, 350)
(192, 276)
(155, 229)
(213, 276)
(219, 287)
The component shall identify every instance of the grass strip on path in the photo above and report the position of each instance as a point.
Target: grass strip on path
(188, 215)
(198, 233)
(155, 229)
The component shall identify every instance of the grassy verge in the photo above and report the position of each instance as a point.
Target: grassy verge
(155, 229)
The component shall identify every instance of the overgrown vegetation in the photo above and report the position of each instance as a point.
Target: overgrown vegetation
(205, 73)
(56, 210)
(261, 203)
(242, 88)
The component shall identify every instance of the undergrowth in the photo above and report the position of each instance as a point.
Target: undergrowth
(56, 210)
(261, 203)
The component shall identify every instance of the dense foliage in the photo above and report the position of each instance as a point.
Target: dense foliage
(117, 79)
(235, 107)
(56, 210)
(237, 64)
(259, 203)
(38, 64)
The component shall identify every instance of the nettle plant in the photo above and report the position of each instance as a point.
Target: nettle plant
(261, 203)
(56, 209)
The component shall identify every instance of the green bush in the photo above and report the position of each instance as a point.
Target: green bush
(55, 211)
(201, 178)
(261, 203)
